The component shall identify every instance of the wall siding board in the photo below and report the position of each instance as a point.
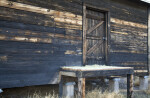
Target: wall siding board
(34, 44)
(22, 61)
(9, 14)
(128, 43)
(6, 25)
(73, 6)
(126, 57)
(128, 35)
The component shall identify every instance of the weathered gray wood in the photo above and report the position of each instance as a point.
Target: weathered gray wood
(93, 37)
(9, 14)
(46, 17)
(93, 47)
(127, 57)
(36, 28)
(35, 34)
(92, 16)
(23, 62)
(107, 40)
(149, 39)
(99, 72)
(129, 86)
(94, 27)
(27, 7)
(81, 87)
(72, 74)
(141, 73)
(84, 26)
(96, 8)
(96, 37)
(83, 73)
(23, 56)
(105, 73)
(63, 5)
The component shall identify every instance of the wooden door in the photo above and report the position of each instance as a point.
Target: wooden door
(94, 36)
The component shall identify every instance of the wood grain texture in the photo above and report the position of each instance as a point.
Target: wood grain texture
(95, 36)
(99, 73)
(84, 74)
(81, 87)
(94, 27)
(84, 47)
(129, 86)
(52, 17)
(149, 38)
(37, 37)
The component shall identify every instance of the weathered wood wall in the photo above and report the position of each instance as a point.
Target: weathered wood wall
(128, 34)
(36, 40)
(39, 36)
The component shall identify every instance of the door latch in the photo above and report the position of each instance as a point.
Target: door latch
(104, 38)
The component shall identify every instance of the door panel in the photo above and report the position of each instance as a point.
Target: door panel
(95, 34)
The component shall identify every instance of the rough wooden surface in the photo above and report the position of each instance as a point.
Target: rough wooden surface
(95, 35)
(35, 41)
(92, 68)
(129, 86)
(149, 38)
(97, 71)
(81, 87)
(84, 47)
(84, 74)
(37, 37)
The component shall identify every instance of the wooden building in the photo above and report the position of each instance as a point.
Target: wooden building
(37, 37)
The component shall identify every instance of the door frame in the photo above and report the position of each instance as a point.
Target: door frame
(107, 31)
